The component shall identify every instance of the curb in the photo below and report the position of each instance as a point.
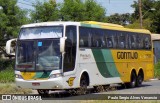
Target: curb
(154, 79)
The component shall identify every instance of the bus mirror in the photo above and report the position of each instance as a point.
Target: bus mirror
(62, 44)
(10, 47)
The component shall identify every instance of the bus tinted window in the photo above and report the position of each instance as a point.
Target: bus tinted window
(147, 41)
(121, 40)
(113, 39)
(140, 43)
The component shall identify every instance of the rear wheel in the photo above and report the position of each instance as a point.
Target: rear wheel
(139, 80)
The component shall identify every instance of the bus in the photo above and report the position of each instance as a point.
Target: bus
(70, 55)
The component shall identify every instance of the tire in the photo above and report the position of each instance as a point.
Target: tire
(133, 80)
(83, 86)
(139, 80)
(43, 92)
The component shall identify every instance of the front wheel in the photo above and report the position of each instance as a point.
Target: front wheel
(43, 92)
(83, 86)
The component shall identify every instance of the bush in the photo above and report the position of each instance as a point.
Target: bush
(6, 71)
(4, 64)
(157, 70)
(7, 75)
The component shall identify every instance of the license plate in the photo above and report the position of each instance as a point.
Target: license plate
(35, 84)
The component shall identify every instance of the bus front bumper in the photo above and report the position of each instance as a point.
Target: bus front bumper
(55, 83)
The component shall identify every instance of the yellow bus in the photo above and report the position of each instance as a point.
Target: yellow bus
(75, 55)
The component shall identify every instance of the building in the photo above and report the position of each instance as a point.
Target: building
(156, 47)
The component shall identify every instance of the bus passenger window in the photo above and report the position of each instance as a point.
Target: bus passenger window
(133, 41)
(97, 43)
(121, 41)
(129, 43)
(121, 44)
(103, 43)
(109, 43)
(133, 44)
(147, 43)
(140, 42)
(81, 42)
(89, 39)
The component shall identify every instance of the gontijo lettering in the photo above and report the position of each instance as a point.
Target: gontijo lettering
(127, 55)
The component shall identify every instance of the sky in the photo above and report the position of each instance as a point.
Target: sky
(111, 6)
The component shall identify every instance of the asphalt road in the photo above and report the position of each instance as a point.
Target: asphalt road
(150, 87)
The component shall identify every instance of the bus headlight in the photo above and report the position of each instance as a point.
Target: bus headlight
(18, 76)
(55, 75)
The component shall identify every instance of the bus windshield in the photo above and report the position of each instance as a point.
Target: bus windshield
(41, 32)
(38, 55)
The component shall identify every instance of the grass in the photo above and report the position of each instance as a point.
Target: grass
(157, 70)
(13, 89)
(7, 79)
(7, 75)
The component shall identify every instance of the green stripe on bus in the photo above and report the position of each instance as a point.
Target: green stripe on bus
(86, 25)
(90, 25)
(105, 63)
(41, 75)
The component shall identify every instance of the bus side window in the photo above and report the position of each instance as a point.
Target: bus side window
(133, 41)
(147, 42)
(121, 40)
(115, 40)
(140, 43)
(94, 43)
(129, 42)
(109, 42)
(103, 44)
(81, 42)
(89, 39)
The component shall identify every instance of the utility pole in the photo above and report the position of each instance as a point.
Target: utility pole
(140, 13)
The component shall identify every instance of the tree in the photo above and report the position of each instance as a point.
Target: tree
(72, 10)
(76, 10)
(94, 11)
(155, 26)
(45, 11)
(147, 15)
(122, 19)
(11, 18)
(147, 5)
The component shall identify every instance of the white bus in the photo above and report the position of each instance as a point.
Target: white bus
(75, 55)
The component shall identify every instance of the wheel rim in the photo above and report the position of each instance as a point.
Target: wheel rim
(43, 91)
(139, 80)
(83, 86)
(133, 80)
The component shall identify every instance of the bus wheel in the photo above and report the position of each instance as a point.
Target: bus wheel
(139, 80)
(133, 80)
(83, 86)
(43, 92)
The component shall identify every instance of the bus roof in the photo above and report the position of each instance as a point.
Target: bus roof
(51, 23)
(88, 24)
(112, 27)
